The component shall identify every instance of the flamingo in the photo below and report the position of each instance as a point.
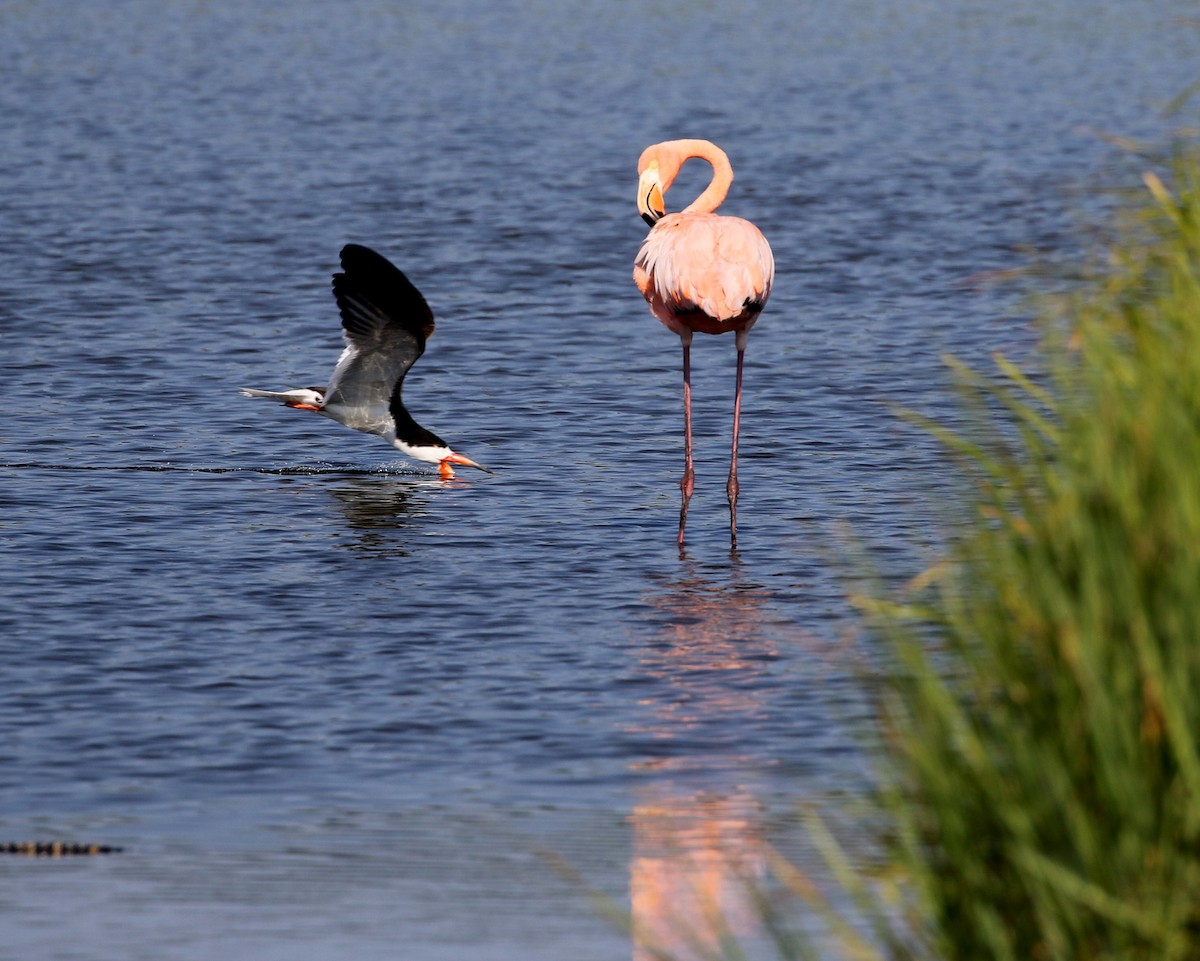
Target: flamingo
(700, 271)
(385, 322)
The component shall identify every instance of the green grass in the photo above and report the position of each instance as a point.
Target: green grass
(1042, 718)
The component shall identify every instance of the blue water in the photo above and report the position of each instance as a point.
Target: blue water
(332, 707)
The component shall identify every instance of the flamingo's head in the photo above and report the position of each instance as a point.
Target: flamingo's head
(650, 190)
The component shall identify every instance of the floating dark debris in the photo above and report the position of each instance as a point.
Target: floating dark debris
(54, 849)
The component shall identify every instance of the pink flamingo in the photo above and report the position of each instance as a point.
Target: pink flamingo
(700, 271)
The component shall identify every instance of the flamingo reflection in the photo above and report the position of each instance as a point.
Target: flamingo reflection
(698, 860)
(698, 852)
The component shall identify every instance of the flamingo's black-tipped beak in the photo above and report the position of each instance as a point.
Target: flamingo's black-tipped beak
(650, 196)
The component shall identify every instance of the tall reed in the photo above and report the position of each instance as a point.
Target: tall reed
(1042, 718)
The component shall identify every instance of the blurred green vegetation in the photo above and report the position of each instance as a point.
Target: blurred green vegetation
(1041, 714)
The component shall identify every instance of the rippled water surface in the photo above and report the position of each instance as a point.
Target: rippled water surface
(332, 707)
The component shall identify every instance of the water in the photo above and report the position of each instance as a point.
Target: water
(332, 707)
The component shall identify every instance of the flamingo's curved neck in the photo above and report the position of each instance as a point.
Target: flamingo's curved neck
(714, 194)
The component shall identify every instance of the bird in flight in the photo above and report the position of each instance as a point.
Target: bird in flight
(700, 271)
(386, 322)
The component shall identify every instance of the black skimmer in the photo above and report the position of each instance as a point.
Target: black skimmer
(386, 322)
